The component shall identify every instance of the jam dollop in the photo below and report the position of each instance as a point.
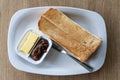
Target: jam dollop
(39, 49)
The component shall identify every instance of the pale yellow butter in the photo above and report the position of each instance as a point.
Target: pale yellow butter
(28, 42)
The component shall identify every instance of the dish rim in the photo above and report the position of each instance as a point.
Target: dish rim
(73, 8)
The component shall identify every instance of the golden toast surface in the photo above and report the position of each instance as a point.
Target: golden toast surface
(69, 34)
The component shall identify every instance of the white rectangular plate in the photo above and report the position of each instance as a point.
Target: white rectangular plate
(56, 63)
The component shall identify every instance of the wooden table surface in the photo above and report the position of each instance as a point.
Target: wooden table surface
(109, 9)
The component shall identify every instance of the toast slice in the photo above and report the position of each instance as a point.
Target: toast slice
(68, 34)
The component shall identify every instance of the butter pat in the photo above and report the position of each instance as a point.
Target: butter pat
(28, 42)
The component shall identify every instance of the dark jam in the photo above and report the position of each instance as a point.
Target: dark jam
(39, 49)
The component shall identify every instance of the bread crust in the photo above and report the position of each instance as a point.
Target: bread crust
(68, 34)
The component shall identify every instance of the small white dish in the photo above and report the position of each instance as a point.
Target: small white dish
(56, 63)
(27, 57)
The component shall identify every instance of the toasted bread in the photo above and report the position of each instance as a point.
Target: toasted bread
(68, 34)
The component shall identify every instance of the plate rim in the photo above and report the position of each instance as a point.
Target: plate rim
(58, 8)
